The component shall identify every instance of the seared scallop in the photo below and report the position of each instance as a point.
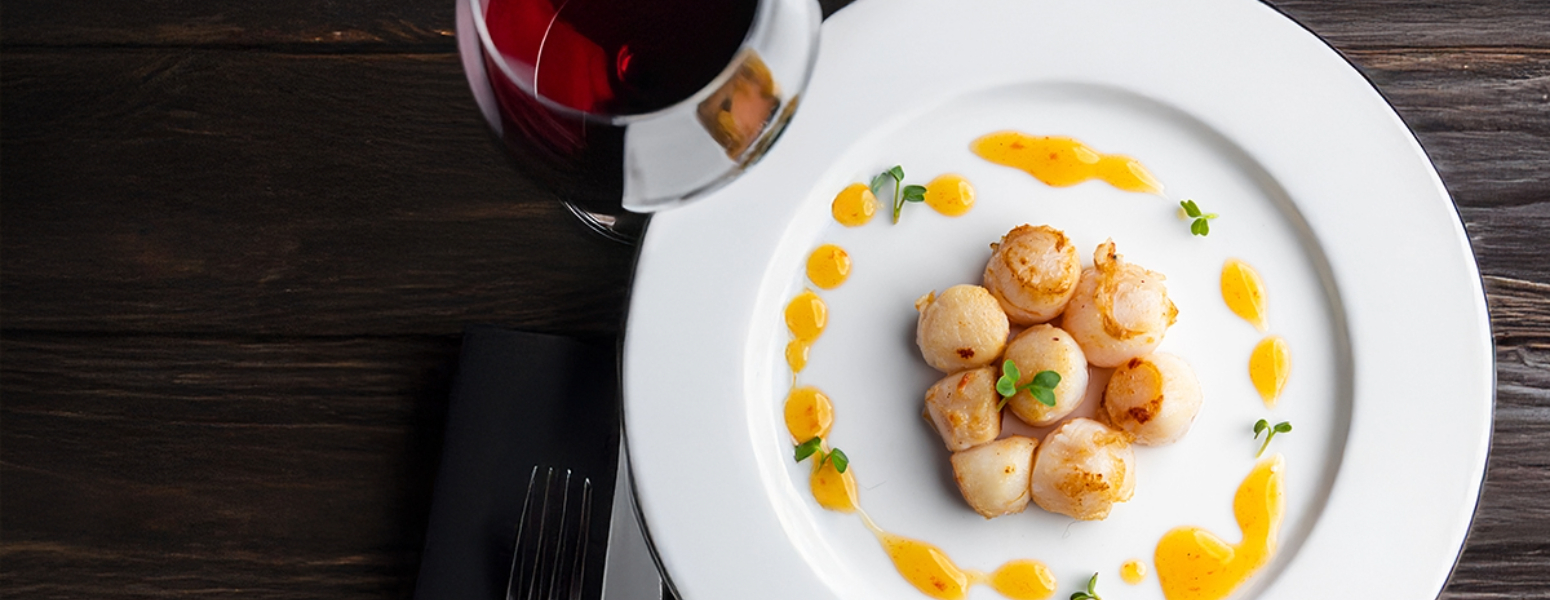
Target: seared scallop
(1046, 348)
(1120, 310)
(994, 477)
(964, 408)
(1082, 469)
(963, 328)
(1032, 273)
(1154, 398)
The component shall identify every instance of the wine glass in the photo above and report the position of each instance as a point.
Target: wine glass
(627, 107)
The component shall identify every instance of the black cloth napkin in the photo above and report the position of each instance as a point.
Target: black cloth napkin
(518, 400)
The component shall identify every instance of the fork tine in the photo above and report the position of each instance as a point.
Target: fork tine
(549, 557)
(535, 578)
(558, 550)
(583, 533)
(514, 579)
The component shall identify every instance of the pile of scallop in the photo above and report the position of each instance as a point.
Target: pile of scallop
(1113, 314)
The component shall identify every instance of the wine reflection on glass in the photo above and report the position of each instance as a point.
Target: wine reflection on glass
(624, 107)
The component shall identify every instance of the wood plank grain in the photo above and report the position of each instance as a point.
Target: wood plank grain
(1508, 552)
(1412, 24)
(153, 466)
(1484, 117)
(323, 26)
(359, 26)
(1398, 24)
(216, 191)
(378, 24)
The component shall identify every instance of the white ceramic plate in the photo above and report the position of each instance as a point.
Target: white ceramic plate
(1319, 184)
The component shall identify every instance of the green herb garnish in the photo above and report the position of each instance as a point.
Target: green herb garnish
(1042, 387)
(841, 462)
(1092, 590)
(815, 447)
(1202, 221)
(1262, 425)
(901, 193)
(808, 448)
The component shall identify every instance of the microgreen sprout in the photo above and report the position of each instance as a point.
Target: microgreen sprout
(1042, 387)
(808, 448)
(1262, 425)
(841, 462)
(1202, 220)
(815, 447)
(1092, 590)
(901, 193)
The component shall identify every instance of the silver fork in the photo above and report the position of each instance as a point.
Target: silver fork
(548, 560)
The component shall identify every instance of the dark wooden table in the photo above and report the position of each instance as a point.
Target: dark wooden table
(239, 240)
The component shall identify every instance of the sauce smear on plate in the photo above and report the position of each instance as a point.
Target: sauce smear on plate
(1244, 292)
(828, 266)
(950, 194)
(1061, 161)
(806, 317)
(854, 205)
(1023, 579)
(1132, 572)
(1269, 366)
(926, 567)
(931, 571)
(834, 490)
(1195, 564)
(809, 414)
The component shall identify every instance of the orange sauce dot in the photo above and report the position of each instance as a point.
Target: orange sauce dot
(1062, 161)
(828, 266)
(1132, 572)
(1269, 367)
(832, 489)
(926, 567)
(1023, 579)
(1195, 564)
(809, 414)
(854, 205)
(806, 316)
(796, 354)
(1244, 292)
(951, 195)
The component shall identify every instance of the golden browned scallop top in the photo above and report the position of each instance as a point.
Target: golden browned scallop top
(1032, 272)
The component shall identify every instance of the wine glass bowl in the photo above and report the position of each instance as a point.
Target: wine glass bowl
(620, 105)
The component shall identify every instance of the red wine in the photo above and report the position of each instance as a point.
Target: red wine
(603, 58)
(618, 57)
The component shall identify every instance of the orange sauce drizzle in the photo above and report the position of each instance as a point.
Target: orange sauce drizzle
(1062, 161)
(950, 194)
(796, 355)
(854, 205)
(1132, 572)
(834, 490)
(1195, 564)
(806, 317)
(809, 414)
(1244, 292)
(1270, 364)
(927, 567)
(1023, 579)
(828, 266)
